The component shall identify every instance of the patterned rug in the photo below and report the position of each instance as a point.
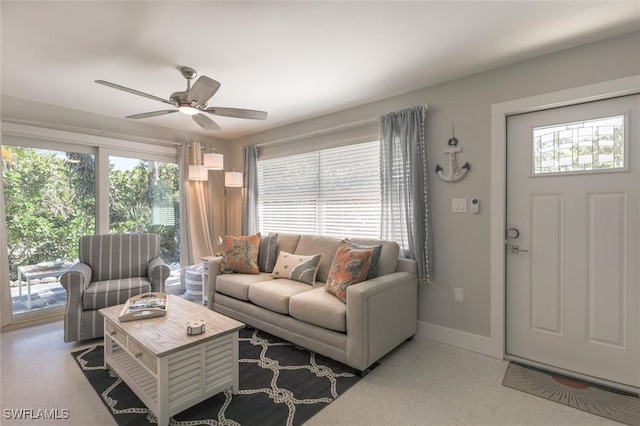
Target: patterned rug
(598, 400)
(280, 384)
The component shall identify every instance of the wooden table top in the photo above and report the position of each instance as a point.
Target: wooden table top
(164, 335)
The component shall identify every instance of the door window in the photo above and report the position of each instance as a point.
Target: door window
(583, 146)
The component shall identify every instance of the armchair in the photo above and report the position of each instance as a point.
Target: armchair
(111, 269)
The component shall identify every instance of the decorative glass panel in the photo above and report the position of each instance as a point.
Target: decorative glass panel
(579, 147)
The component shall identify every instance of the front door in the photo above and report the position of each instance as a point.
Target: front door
(573, 237)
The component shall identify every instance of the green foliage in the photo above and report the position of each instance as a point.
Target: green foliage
(50, 203)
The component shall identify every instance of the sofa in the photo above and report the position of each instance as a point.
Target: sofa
(376, 315)
(111, 268)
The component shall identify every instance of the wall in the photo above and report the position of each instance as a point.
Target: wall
(462, 241)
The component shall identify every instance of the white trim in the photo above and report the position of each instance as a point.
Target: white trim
(499, 112)
(461, 339)
(133, 143)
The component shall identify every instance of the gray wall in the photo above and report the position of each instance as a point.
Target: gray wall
(462, 240)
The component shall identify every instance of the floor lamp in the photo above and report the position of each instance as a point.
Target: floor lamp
(232, 179)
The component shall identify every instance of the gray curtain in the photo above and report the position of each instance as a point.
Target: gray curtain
(405, 187)
(250, 190)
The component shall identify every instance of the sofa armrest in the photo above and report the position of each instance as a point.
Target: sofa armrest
(407, 265)
(213, 271)
(158, 272)
(381, 314)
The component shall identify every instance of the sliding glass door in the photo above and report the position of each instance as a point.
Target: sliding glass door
(144, 197)
(49, 203)
(56, 192)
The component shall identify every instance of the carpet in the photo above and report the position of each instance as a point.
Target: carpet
(280, 384)
(601, 401)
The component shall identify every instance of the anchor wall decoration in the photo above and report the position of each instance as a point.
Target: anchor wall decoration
(455, 172)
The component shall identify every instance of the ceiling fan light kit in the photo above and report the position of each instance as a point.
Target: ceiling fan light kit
(192, 101)
(188, 110)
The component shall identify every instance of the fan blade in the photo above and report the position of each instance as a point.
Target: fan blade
(152, 114)
(135, 92)
(238, 113)
(202, 90)
(206, 123)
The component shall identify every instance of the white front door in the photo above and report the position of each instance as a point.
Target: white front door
(573, 237)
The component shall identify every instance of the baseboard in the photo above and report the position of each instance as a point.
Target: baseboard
(461, 339)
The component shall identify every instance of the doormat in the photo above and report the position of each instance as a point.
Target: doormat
(280, 384)
(614, 405)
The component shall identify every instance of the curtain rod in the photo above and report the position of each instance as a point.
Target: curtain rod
(326, 130)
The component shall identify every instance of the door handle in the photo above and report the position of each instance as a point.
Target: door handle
(515, 249)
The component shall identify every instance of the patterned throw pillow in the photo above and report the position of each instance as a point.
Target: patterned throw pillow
(240, 254)
(267, 253)
(350, 266)
(375, 258)
(297, 267)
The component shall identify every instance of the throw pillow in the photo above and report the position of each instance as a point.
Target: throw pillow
(350, 266)
(240, 254)
(267, 253)
(375, 258)
(297, 267)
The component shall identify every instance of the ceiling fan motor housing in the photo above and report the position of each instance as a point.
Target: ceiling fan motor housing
(180, 99)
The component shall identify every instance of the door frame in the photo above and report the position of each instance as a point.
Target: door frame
(499, 112)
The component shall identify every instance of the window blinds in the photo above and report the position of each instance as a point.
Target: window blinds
(334, 192)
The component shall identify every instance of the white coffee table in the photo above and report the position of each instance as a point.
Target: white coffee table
(167, 369)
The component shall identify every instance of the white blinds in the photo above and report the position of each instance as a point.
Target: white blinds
(333, 192)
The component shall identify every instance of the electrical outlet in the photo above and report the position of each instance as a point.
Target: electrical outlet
(458, 295)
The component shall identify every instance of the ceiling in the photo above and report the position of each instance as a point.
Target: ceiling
(295, 60)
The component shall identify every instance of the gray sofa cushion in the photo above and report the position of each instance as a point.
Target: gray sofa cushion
(319, 308)
(274, 295)
(389, 256)
(237, 285)
(267, 253)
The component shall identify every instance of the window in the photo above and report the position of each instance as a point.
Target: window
(49, 204)
(59, 186)
(334, 192)
(583, 146)
(144, 197)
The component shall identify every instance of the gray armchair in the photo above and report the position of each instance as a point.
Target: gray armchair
(111, 269)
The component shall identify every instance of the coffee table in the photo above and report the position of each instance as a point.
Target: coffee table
(167, 369)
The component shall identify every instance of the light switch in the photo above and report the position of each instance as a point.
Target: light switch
(459, 205)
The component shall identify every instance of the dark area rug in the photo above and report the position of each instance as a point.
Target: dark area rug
(611, 404)
(280, 384)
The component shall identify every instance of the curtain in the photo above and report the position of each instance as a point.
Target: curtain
(194, 210)
(6, 309)
(405, 187)
(250, 190)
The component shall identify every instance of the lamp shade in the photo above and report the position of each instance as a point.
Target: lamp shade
(233, 179)
(197, 172)
(213, 161)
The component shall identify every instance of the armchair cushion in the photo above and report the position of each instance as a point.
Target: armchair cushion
(102, 294)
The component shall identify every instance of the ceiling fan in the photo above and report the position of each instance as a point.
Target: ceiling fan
(192, 101)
